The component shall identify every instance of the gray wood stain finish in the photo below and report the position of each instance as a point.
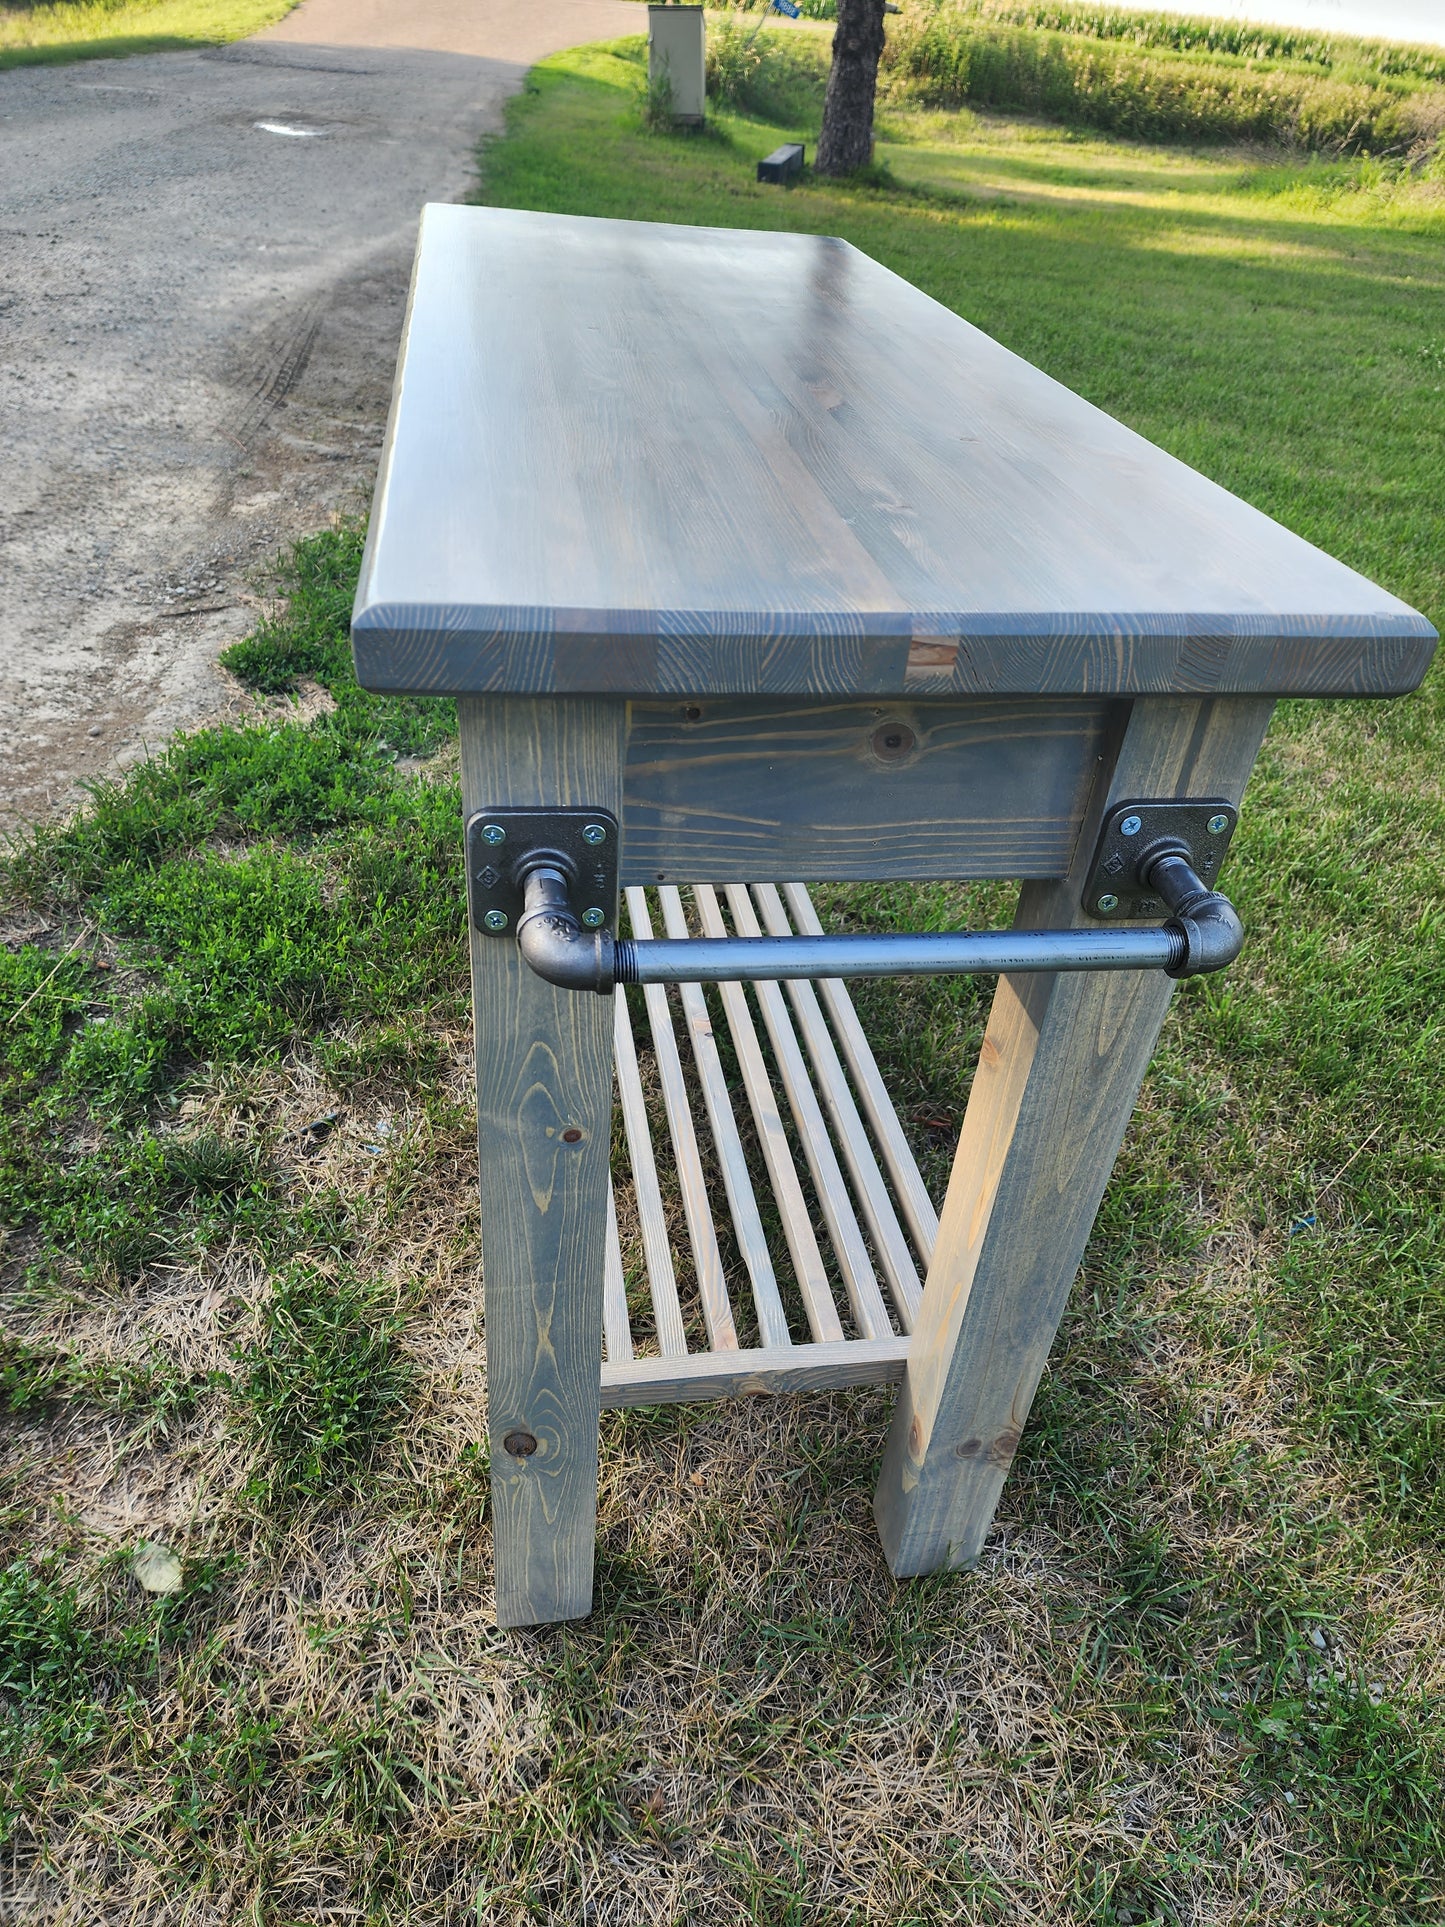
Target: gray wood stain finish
(1060, 1067)
(636, 459)
(742, 792)
(687, 517)
(544, 1123)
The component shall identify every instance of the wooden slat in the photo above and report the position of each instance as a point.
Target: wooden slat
(656, 1245)
(807, 1259)
(907, 1179)
(616, 1331)
(787, 1368)
(717, 1312)
(869, 1311)
(737, 1182)
(887, 1233)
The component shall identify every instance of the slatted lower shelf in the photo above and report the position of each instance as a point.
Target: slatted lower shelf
(774, 1368)
(772, 1229)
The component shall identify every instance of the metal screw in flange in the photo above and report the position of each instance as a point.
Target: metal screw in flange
(1108, 901)
(594, 833)
(493, 833)
(594, 919)
(495, 921)
(1131, 826)
(1217, 825)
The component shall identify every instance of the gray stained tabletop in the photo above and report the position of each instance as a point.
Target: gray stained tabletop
(648, 460)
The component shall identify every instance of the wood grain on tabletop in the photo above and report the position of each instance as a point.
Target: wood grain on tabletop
(634, 458)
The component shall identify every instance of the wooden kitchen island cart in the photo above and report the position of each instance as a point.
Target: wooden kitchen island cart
(752, 566)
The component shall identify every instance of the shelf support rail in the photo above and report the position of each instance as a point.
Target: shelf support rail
(552, 878)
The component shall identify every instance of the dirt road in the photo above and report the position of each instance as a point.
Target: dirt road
(203, 264)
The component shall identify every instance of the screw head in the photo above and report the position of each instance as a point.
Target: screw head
(1131, 826)
(1217, 825)
(495, 921)
(1108, 902)
(493, 833)
(594, 833)
(594, 918)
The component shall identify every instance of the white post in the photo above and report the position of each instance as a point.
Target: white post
(676, 52)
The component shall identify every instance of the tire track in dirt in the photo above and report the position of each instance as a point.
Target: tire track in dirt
(198, 326)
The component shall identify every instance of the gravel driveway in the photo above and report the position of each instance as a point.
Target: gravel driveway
(203, 265)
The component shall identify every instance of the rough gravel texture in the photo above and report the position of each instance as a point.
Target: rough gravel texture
(199, 319)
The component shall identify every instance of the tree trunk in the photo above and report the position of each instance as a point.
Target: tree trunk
(846, 141)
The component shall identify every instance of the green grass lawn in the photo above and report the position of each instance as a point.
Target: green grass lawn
(99, 29)
(1197, 1677)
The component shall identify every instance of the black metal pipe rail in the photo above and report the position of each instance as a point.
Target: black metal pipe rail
(1203, 933)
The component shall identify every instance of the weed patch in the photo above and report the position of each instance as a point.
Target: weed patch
(75, 1659)
(36, 1378)
(322, 1387)
(1362, 1770)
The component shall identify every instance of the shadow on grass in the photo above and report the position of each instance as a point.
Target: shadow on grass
(57, 53)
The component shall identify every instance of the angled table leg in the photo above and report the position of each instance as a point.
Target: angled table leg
(544, 1114)
(1060, 1068)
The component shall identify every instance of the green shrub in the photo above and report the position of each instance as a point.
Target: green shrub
(734, 55)
(948, 55)
(38, 6)
(779, 77)
(812, 9)
(655, 105)
(1186, 33)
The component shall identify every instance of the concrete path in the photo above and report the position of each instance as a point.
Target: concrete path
(203, 264)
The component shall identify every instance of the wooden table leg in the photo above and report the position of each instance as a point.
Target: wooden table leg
(544, 1114)
(1060, 1068)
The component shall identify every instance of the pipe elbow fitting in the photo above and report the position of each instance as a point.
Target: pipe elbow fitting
(554, 944)
(1204, 920)
(1213, 936)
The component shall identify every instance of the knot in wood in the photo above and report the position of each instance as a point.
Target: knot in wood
(893, 741)
(521, 1445)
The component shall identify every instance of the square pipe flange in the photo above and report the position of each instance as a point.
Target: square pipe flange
(1114, 891)
(504, 844)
